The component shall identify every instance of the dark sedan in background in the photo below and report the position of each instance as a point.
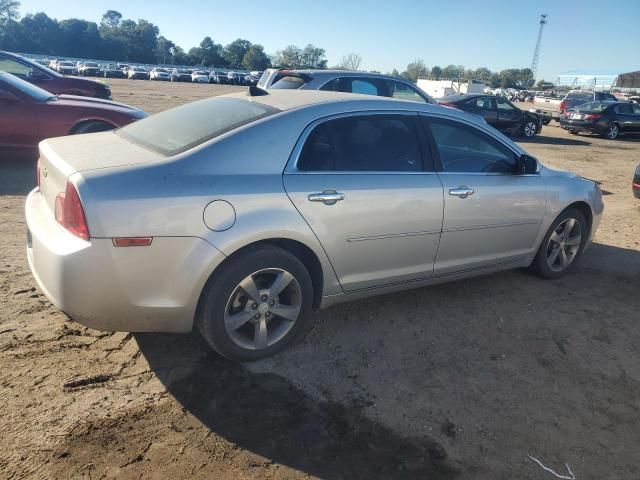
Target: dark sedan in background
(89, 69)
(49, 80)
(112, 71)
(180, 75)
(635, 186)
(29, 114)
(498, 112)
(609, 119)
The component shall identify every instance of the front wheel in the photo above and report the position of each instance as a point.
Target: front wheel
(529, 128)
(562, 245)
(256, 305)
(92, 127)
(546, 121)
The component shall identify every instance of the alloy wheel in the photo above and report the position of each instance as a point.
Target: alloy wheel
(612, 132)
(564, 244)
(529, 129)
(263, 308)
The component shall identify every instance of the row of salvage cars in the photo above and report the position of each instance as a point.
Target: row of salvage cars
(240, 214)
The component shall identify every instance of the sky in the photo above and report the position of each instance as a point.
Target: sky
(390, 34)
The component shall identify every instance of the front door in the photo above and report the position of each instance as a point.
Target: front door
(18, 126)
(509, 117)
(370, 195)
(492, 213)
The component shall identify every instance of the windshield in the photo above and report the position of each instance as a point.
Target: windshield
(90, 64)
(183, 71)
(581, 96)
(594, 106)
(36, 93)
(198, 72)
(160, 70)
(179, 129)
(66, 64)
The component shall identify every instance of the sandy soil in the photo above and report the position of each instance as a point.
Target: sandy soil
(455, 381)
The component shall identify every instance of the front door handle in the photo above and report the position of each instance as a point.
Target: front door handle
(462, 191)
(328, 197)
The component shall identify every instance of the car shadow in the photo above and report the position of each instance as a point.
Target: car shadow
(268, 415)
(544, 140)
(17, 173)
(415, 366)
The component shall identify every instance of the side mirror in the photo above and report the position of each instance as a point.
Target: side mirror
(527, 164)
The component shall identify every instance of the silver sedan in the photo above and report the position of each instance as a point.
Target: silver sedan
(240, 214)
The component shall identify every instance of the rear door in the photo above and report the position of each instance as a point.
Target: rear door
(625, 117)
(485, 107)
(18, 125)
(492, 213)
(367, 189)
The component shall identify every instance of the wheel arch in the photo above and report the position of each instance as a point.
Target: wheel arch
(301, 251)
(584, 208)
(85, 121)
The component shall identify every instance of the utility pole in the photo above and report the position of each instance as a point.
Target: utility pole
(536, 53)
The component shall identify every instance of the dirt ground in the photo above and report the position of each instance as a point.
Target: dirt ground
(462, 380)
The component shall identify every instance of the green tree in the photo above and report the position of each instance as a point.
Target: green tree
(290, 57)
(235, 52)
(351, 61)
(9, 10)
(110, 20)
(395, 72)
(415, 70)
(256, 58)
(436, 72)
(313, 57)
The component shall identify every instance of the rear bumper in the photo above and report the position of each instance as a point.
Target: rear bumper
(581, 126)
(546, 113)
(134, 289)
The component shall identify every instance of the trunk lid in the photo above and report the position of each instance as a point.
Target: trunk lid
(63, 156)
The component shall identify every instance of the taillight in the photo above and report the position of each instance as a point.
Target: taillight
(69, 212)
(592, 116)
(38, 173)
(563, 106)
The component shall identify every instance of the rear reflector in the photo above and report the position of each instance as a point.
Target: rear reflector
(69, 212)
(132, 241)
(592, 116)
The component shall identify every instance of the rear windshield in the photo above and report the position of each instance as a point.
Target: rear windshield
(580, 96)
(179, 129)
(594, 106)
(288, 82)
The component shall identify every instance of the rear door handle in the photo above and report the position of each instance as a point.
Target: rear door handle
(462, 191)
(328, 197)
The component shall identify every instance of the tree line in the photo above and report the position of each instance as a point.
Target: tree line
(508, 78)
(118, 39)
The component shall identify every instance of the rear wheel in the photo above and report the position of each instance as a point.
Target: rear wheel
(92, 127)
(562, 245)
(612, 131)
(256, 305)
(546, 121)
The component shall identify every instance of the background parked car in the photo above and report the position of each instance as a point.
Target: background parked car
(198, 76)
(50, 80)
(551, 106)
(89, 69)
(66, 68)
(635, 185)
(158, 73)
(497, 112)
(254, 76)
(180, 75)
(218, 76)
(111, 70)
(609, 119)
(343, 81)
(137, 73)
(29, 114)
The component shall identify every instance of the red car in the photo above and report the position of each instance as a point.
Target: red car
(29, 114)
(49, 80)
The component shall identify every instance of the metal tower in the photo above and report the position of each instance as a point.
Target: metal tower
(536, 53)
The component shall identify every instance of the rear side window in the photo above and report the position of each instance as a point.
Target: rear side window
(179, 129)
(363, 86)
(377, 143)
(466, 149)
(584, 97)
(481, 103)
(402, 91)
(624, 108)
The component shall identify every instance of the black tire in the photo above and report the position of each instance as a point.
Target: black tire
(546, 121)
(219, 291)
(540, 264)
(573, 132)
(92, 127)
(612, 132)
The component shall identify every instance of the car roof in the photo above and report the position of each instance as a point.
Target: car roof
(344, 73)
(455, 97)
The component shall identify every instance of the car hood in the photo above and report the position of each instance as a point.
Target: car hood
(91, 102)
(553, 172)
